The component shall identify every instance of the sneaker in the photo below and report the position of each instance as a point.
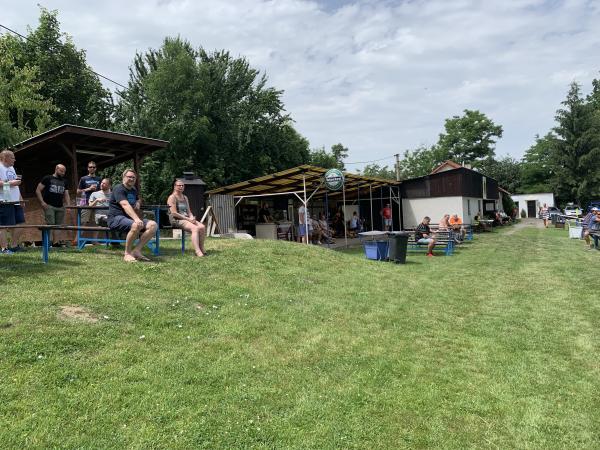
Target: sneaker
(5, 251)
(430, 254)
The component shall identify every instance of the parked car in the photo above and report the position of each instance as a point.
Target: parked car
(572, 210)
(554, 211)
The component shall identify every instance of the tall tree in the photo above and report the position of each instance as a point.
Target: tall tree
(576, 150)
(23, 109)
(506, 171)
(68, 81)
(375, 170)
(469, 138)
(221, 118)
(537, 169)
(421, 161)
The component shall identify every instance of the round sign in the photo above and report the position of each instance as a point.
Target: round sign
(334, 179)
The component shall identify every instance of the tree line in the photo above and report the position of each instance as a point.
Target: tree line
(225, 122)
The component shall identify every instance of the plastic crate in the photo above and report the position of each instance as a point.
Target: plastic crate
(376, 250)
(575, 232)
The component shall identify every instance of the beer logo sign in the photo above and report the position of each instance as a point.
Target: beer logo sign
(334, 179)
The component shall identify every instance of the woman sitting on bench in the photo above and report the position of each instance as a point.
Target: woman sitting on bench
(181, 217)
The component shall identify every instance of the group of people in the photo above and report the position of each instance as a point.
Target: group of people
(424, 235)
(118, 208)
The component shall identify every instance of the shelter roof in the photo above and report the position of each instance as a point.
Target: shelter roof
(292, 180)
(74, 146)
(107, 148)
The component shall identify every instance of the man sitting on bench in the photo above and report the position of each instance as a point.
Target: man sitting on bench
(423, 235)
(123, 215)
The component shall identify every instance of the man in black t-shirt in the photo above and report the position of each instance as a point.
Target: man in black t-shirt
(88, 184)
(123, 216)
(53, 194)
(423, 235)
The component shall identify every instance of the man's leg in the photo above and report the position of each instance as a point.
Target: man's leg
(132, 235)
(50, 218)
(144, 238)
(17, 232)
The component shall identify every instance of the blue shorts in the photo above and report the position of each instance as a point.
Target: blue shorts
(302, 229)
(387, 222)
(19, 214)
(7, 214)
(425, 241)
(123, 223)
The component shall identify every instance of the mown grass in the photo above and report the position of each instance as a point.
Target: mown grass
(276, 345)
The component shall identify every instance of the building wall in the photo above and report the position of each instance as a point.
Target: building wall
(539, 198)
(416, 208)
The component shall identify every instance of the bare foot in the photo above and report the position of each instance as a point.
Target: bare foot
(129, 258)
(199, 254)
(139, 256)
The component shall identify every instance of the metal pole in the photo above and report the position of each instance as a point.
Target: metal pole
(371, 203)
(344, 209)
(327, 216)
(305, 208)
(391, 209)
(358, 194)
(397, 166)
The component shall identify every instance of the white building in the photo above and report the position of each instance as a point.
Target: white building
(530, 203)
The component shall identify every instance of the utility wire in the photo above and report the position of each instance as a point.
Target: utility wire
(86, 66)
(365, 162)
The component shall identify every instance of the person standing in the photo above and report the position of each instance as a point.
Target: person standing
(544, 214)
(304, 222)
(10, 214)
(87, 185)
(180, 216)
(53, 194)
(123, 215)
(386, 214)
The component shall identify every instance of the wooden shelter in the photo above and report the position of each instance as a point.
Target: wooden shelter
(74, 146)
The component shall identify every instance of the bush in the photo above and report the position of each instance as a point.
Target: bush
(523, 214)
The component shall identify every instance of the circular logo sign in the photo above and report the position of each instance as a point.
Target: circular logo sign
(334, 179)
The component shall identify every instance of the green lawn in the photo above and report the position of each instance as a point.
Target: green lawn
(278, 345)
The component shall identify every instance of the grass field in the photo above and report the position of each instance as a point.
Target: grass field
(277, 345)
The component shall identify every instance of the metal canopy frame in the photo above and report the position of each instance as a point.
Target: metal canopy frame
(298, 181)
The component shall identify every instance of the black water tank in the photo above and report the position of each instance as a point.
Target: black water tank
(194, 189)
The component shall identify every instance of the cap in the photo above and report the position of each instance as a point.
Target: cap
(595, 209)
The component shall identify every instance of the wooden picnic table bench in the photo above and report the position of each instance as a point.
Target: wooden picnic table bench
(445, 241)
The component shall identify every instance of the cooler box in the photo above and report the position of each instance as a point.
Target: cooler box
(575, 232)
(376, 250)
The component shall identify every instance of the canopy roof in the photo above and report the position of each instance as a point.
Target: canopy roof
(292, 180)
(74, 146)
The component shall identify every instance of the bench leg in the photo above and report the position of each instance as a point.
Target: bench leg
(182, 241)
(45, 245)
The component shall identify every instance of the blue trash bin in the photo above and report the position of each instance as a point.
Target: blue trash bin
(376, 250)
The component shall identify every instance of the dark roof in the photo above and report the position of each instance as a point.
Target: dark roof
(107, 148)
(38, 155)
(292, 180)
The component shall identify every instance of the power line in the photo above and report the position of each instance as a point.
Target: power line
(365, 162)
(86, 66)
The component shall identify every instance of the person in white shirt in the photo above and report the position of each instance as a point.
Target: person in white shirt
(303, 221)
(10, 214)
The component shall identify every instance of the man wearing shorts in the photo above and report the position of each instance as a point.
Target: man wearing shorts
(423, 235)
(53, 194)
(303, 221)
(456, 224)
(123, 216)
(386, 213)
(10, 214)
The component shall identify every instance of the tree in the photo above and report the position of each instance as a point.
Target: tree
(421, 161)
(23, 109)
(470, 138)
(335, 160)
(506, 171)
(375, 170)
(217, 112)
(537, 170)
(576, 149)
(68, 80)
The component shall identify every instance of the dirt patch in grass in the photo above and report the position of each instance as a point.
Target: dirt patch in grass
(77, 313)
(200, 306)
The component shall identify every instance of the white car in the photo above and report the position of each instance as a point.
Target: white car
(572, 210)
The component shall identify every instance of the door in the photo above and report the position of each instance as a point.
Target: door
(531, 209)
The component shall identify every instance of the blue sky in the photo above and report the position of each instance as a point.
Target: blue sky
(378, 76)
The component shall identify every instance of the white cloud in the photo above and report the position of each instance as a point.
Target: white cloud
(378, 76)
